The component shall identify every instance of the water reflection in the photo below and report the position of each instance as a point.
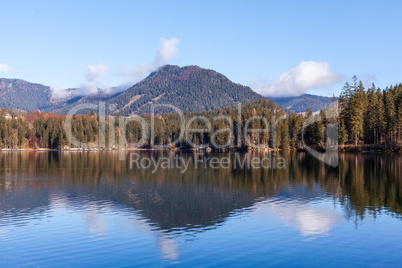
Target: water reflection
(96, 188)
(310, 221)
(29, 181)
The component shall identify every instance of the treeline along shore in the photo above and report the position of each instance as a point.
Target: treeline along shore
(365, 119)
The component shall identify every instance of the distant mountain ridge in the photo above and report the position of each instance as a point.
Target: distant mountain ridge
(300, 104)
(20, 94)
(66, 104)
(189, 88)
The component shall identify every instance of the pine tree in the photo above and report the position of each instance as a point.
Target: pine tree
(370, 116)
(343, 134)
(356, 112)
(344, 105)
(390, 116)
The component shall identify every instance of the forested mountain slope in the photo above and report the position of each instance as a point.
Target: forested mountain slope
(300, 104)
(20, 94)
(189, 88)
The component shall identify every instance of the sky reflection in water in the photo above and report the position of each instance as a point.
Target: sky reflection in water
(54, 212)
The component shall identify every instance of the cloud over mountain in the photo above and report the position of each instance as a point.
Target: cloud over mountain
(305, 76)
(95, 78)
(167, 52)
(97, 74)
(4, 68)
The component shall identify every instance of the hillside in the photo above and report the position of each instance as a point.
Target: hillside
(63, 106)
(20, 94)
(189, 88)
(301, 103)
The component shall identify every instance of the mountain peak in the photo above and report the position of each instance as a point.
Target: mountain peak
(185, 69)
(189, 88)
(20, 94)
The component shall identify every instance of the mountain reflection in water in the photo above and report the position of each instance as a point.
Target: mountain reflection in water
(95, 187)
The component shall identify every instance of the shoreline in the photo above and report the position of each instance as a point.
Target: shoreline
(342, 148)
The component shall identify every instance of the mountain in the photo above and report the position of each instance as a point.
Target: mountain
(20, 94)
(23, 95)
(64, 105)
(189, 88)
(301, 103)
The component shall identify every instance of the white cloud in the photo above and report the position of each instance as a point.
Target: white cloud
(58, 92)
(307, 75)
(96, 74)
(97, 71)
(4, 68)
(167, 52)
(94, 79)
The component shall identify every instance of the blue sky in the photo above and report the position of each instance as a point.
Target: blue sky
(251, 42)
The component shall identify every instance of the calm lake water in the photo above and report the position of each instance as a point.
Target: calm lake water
(90, 209)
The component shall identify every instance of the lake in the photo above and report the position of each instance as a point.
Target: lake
(92, 209)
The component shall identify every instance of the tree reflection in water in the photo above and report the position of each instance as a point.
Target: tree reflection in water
(200, 198)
